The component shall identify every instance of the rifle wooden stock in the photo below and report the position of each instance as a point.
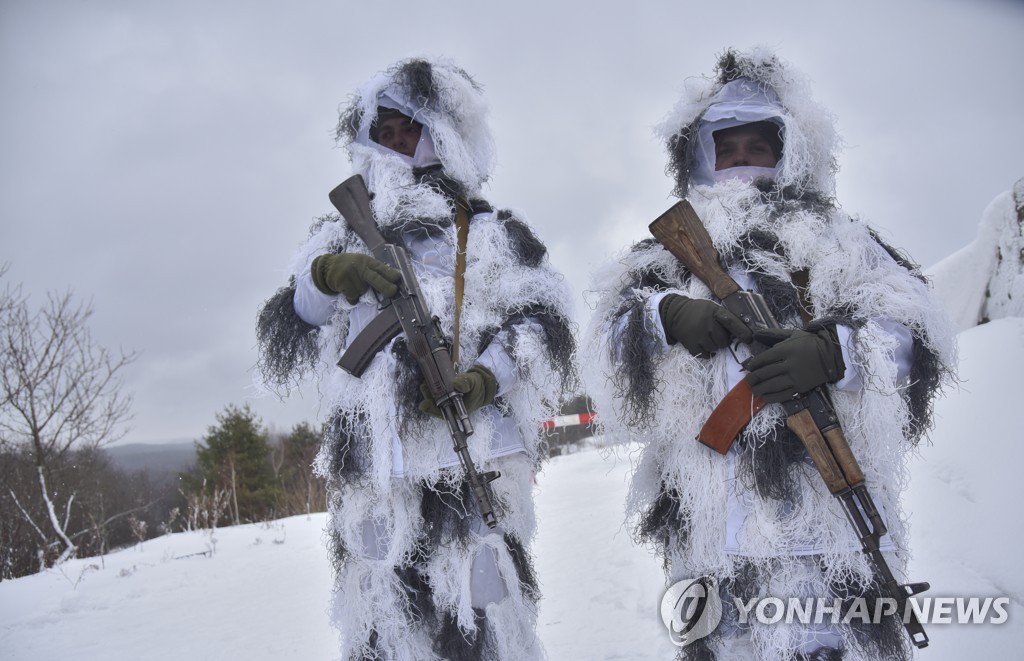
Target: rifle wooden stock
(810, 416)
(681, 231)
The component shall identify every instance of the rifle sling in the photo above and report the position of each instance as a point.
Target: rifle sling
(461, 239)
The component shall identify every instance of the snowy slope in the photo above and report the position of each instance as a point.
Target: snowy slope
(262, 594)
(965, 495)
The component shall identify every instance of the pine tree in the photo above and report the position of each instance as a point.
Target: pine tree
(234, 456)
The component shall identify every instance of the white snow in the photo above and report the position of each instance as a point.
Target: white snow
(263, 593)
(964, 497)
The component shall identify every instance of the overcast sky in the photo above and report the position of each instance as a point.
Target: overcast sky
(163, 160)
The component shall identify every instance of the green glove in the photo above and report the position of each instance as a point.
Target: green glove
(477, 385)
(797, 362)
(350, 274)
(702, 327)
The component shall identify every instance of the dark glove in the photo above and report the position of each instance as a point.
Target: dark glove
(477, 385)
(702, 327)
(797, 362)
(350, 274)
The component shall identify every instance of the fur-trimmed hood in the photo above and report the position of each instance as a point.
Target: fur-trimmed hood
(439, 95)
(751, 86)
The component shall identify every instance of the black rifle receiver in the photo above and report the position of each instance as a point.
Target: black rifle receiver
(407, 312)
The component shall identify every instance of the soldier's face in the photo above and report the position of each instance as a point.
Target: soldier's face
(400, 134)
(743, 145)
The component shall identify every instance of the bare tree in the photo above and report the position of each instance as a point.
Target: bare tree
(59, 393)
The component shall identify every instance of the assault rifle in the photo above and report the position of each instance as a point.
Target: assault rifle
(407, 312)
(811, 416)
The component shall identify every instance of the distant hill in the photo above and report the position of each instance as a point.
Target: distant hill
(156, 458)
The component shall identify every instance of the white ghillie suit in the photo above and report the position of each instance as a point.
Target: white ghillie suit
(419, 576)
(760, 519)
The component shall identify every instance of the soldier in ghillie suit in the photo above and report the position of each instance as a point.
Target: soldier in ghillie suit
(756, 157)
(419, 576)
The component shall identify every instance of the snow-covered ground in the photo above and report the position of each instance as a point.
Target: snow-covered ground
(260, 592)
(966, 491)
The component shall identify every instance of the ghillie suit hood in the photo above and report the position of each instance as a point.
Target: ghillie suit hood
(402, 532)
(751, 87)
(455, 155)
(763, 511)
